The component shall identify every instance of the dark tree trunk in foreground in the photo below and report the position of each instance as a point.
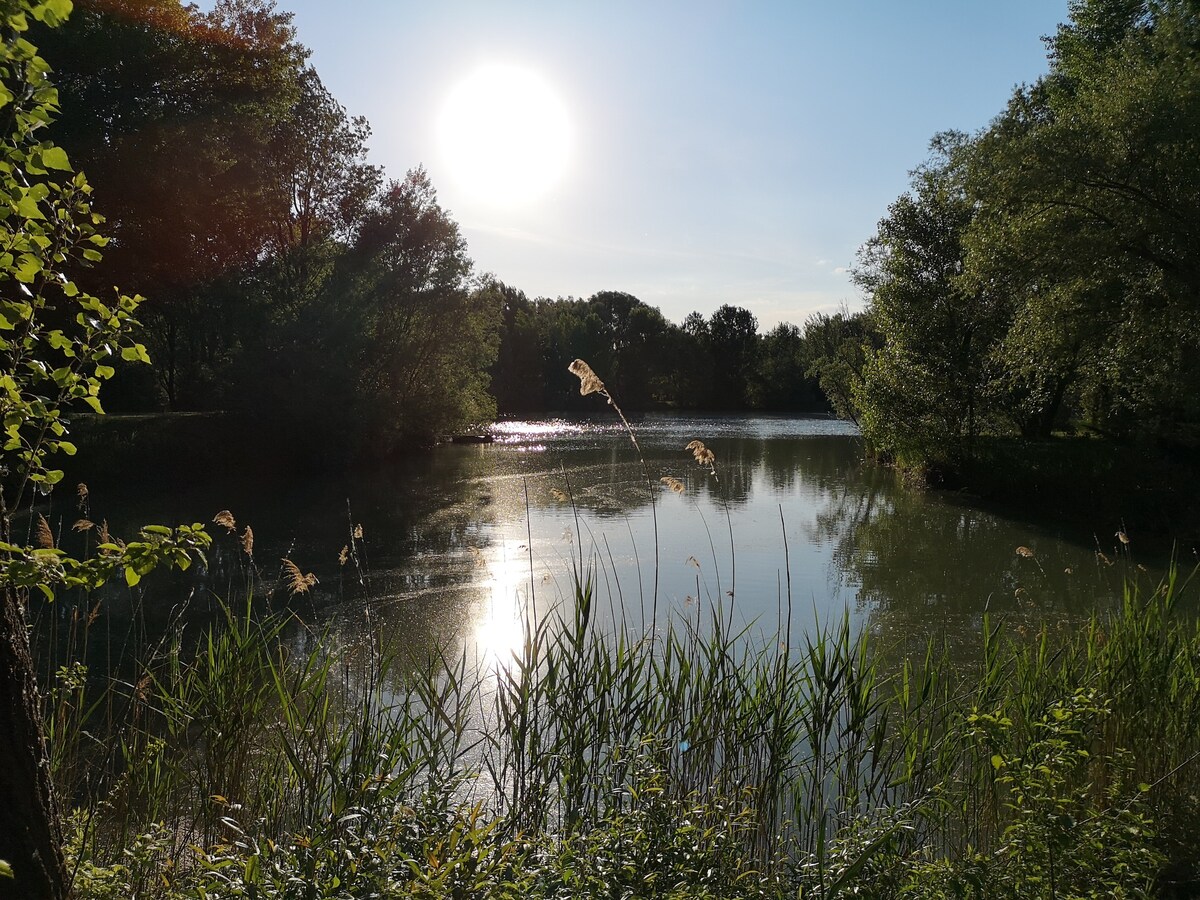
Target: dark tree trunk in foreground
(30, 833)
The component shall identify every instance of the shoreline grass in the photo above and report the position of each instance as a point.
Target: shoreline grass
(598, 762)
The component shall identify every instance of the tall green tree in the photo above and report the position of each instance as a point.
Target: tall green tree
(837, 348)
(926, 393)
(634, 334)
(286, 310)
(176, 115)
(518, 375)
(1089, 195)
(427, 333)
(782, 381)
(732, 342)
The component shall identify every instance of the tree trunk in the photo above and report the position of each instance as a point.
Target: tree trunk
(30, 831)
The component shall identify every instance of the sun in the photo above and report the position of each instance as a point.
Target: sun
(505, 135)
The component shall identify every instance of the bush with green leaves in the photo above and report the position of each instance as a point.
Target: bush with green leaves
(58, 344)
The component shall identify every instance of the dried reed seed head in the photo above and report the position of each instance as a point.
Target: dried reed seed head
(81, 491)
(248, 541)
(225, 517)
(358, 532)
(344, 556)
(141, 688)
(297, 581)
(1122, 537)
(701, 454)
(45, 537)
(558, 495)
(83, 525)
(589, 382)
(674, 484)
(1025, 552)
(103, 536)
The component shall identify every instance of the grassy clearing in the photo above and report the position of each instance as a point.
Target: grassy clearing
(683, 761)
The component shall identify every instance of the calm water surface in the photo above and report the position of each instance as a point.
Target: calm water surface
(459, 544)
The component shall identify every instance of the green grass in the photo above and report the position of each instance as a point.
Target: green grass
(684, 761)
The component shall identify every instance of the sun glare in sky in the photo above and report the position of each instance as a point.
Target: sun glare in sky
(505, 135)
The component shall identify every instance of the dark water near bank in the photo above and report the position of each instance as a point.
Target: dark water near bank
(459, 544)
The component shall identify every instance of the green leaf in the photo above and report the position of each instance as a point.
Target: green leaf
(27, 208)
(997, 761)
(53, 12)
(5, 870)
(60, 341)
(28, 268)
(131, 576)
(56, 158)
(105, 371)
(136, 353)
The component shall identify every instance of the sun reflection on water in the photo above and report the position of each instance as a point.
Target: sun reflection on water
(513, 432)
(499, 625)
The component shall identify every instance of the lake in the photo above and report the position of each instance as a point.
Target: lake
(794, 527)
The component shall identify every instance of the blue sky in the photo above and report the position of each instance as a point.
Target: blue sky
(721, 152)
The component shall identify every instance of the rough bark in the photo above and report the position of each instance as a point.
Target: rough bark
(30, 829)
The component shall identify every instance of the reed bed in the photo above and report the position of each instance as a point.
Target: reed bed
(673, 762)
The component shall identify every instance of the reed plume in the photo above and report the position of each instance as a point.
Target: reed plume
(225, 518)
(589, 381)
(703, 456)
(297, 581)
(45, 537)
(673, 484)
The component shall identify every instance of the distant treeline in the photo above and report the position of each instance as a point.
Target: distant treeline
(718, 363)
(293, 282)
